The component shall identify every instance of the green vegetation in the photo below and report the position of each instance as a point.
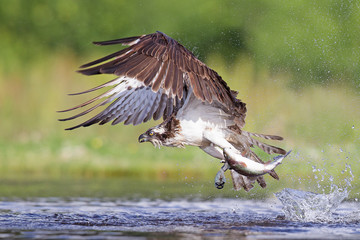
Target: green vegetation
(317, 41)
(320, 124)
(266, 51)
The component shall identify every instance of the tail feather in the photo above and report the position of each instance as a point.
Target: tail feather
(245, 140)
(265, 136)
(261, 181)
(270, 149)
(240, 181)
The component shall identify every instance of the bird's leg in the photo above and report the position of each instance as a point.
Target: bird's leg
(216, 140)
(213, 151)
(220, 176)
(216, 152)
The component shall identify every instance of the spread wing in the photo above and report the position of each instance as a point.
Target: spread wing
(155, 73)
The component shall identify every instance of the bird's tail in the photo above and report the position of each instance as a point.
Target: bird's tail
(265, 147)
(244, 142)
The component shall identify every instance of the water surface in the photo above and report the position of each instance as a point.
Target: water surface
(135, 209)
(93, 218)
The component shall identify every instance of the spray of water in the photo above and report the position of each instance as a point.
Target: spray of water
(318, 205)
(310, 207)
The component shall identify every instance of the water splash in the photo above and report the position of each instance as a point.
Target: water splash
(310, 207)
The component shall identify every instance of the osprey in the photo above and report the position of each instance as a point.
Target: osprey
(158, 77)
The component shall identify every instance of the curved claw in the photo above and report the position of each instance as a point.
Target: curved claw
(220, 179)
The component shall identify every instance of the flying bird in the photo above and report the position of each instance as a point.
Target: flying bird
(158, 77)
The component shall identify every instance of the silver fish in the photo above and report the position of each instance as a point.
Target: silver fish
(248, 167)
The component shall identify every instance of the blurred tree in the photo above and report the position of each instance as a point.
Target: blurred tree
(315, 41)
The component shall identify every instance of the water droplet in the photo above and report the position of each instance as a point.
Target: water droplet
(348, 182)
(308, 206)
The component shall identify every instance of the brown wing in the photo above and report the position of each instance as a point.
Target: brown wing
(158, 67)
(131, 102)
(161, 62)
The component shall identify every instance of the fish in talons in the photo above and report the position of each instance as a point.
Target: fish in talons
(248, 167)
(244, 166)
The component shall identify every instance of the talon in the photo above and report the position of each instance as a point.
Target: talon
(220, 186)
(220, 179)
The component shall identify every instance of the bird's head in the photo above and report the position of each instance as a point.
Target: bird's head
(154, 135)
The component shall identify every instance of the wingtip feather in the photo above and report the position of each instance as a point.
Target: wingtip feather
(98, 43)
(72, 128)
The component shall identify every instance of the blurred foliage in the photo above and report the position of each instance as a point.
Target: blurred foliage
(315, 41)
(258, 47)
(320, 124)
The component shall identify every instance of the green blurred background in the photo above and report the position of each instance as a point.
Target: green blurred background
(295, 64)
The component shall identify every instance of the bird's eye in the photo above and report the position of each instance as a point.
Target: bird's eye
(151, 133)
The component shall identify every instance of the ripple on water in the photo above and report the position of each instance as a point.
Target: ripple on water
(86, 218)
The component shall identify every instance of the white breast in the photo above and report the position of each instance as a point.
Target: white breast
(196, 117)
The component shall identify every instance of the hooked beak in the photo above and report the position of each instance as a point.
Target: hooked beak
(143, 138)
